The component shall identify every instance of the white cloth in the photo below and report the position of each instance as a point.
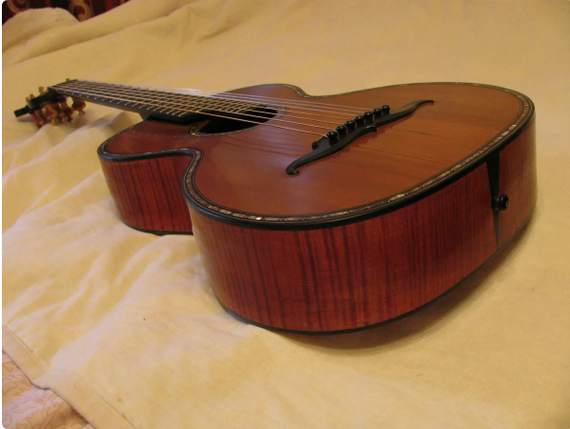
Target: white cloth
(123, 324)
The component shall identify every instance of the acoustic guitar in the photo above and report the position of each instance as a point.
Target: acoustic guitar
(321, 214)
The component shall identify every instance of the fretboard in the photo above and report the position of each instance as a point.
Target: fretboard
(178, 107)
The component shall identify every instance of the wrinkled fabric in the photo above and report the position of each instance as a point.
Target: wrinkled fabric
(123, 325)
(27, 406)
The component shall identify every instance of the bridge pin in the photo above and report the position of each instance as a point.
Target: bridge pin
(350, 125)
(341, 130)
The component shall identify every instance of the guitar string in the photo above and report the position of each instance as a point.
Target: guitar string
(181, 103)
(77, 93)
(248, 103)
(264, 98)
(292, 107)
(173, 107)
(208, 112)
(306, 105)
(244, 96)
(303, 105)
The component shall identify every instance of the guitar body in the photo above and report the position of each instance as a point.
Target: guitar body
(364, 235)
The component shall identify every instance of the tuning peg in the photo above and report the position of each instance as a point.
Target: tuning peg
(36, 120)
(78, 105)
(60, 114)
(64, 112)
(51, 113)
(38, 117)
(67, 111)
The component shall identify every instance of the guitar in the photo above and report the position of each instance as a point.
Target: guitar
(321, 214)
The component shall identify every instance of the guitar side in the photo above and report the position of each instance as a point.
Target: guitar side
(146, 188)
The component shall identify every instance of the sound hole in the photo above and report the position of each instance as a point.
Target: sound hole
(232, 121)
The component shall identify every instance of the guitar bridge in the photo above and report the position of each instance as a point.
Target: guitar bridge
(351, 131)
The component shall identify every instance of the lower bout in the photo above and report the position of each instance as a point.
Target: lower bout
(354, 275)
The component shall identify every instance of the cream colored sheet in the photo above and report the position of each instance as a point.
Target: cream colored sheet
(123, 324)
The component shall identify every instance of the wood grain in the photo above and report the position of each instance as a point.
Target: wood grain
(146, 194)
(352, 276)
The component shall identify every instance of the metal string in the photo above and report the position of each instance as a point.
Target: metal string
(204, 99)
(237, 96)
(308, 105)
(153, 95)
(207, 112)
(95, 95)
(322, 108)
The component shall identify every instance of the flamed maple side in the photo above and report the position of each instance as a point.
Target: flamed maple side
(367, 234)
(147, 193)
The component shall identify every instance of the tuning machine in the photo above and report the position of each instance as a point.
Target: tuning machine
(50, 106)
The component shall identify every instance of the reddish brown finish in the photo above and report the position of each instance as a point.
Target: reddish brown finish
(518, 181)
(354, 275)
(78, 105)
(415, 198)
(146, 193)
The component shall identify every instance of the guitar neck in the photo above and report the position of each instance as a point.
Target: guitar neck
(171, 106)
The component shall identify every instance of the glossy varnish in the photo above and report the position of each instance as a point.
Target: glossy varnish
(362, 273)
(147, 193)
(370, 233)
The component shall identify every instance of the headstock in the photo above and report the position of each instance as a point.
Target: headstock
(50, 106)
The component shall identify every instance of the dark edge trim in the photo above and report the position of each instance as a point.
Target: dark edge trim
(149, 231)
(385, 322)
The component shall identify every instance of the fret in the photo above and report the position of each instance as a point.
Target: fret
(163, 104)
